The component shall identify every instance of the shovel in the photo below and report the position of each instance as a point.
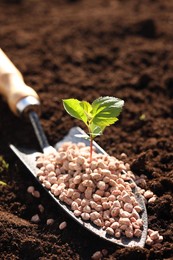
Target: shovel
(22, 99)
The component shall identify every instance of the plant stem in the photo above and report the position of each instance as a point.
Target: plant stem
(91, 147)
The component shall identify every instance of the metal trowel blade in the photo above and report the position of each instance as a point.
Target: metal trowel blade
(28, 157)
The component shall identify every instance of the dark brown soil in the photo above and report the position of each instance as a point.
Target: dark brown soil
(85, 49)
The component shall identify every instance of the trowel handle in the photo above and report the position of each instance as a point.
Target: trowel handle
(13, 87)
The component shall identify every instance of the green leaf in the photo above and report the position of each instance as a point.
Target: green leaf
(3, 165)
(87, 108)
(142, 117)
(105, 110)
(3, 183)
(110, 104)
(96, 130)
(103, 121)
(75, 109)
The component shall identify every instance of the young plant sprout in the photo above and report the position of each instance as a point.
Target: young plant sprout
(3, 168)
(97, 116)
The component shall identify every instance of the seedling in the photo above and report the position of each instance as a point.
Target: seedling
(96, 116)
(2, 183)
(3, 168)
(142, 117)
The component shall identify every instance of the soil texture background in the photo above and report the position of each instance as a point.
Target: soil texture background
(86, 49)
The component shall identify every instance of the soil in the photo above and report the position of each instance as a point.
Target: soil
(85, 49)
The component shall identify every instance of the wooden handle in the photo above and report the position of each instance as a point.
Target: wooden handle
(12, 85)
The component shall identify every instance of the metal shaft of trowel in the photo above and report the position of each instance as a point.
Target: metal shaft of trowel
(29, 106)
(38, 129)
